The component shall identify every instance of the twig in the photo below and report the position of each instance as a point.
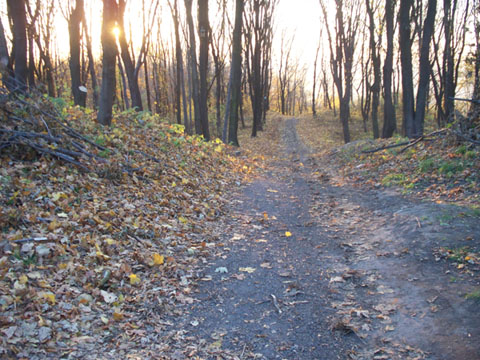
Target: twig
(385, 147)
(275, 303)
(243, 351)
(21, 241)
(476, 142)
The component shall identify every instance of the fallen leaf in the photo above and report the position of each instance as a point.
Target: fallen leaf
(134, 279)
(117, 316)
(288, 233)
(247, 269)
(239, 276)
(108, 297)
(158, 259)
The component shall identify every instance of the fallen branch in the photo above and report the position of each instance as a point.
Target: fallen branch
(466, 138)
(275, 303)
(385, 147)
(408, 144)
(21, 241)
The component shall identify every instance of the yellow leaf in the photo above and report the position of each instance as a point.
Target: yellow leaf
(53, 225)
(58, 195)
(460, 266)
(158, 259)
(218, 149)
(182, 220)
(117, 316)
(265, 215)
(134, 279)
(272, 191)
(288, 233)
(50, 297)
(247, 269)
(174, 184)
(62, 266)
(110, 241)
(23, 279)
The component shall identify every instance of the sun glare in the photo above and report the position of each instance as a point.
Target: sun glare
(116, 31)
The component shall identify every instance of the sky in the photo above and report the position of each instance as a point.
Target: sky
(299, 18)
(302, 18)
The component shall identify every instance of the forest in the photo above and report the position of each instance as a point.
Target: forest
(189, 179)
(395, 63)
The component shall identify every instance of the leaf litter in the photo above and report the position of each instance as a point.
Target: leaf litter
(109, 248)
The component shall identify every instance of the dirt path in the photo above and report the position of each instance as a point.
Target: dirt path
(309, 270)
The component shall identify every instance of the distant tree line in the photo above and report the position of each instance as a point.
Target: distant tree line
(387, 60)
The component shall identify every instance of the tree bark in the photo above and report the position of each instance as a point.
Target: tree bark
(376, 71)
(17, 14)
(4, 57)
(128, 62)
(406, 62)
(193, 68)
(107, 93)
(424, 69)
(76, 16)
(389, 117)
(179, 61)
(474, 111)
(235, 75)
(203, 33)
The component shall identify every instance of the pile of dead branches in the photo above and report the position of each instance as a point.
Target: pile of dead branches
(33, 122)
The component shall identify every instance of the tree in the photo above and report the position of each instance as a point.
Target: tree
(130, 66)
(375, 56)
(413, 117)
(18, 17)
(424, 70)
(235, 82)
(315, 63)
(475, 105)
(107, 93)
(341, 57)
(4, 57)
(284, 70)
(76, 16)
(179, 64)
(389, 117)
(204, 35)
(406, 62)
(259, 21)
(193, 68)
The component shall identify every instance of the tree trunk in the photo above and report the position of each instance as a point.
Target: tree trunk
(4, 57)
(203, 33)
(179, 60)
(235, 75)
(389, 119)
(193, 68)
(91, 63)
(406, 62)
(376, 72)
(128, 62)
(424, 69)
(76, 16)
(474, 111)
(107, 93)
(314, 111)
(17, 14)
(448, 77)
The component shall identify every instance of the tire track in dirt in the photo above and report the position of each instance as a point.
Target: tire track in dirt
(356, 279)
